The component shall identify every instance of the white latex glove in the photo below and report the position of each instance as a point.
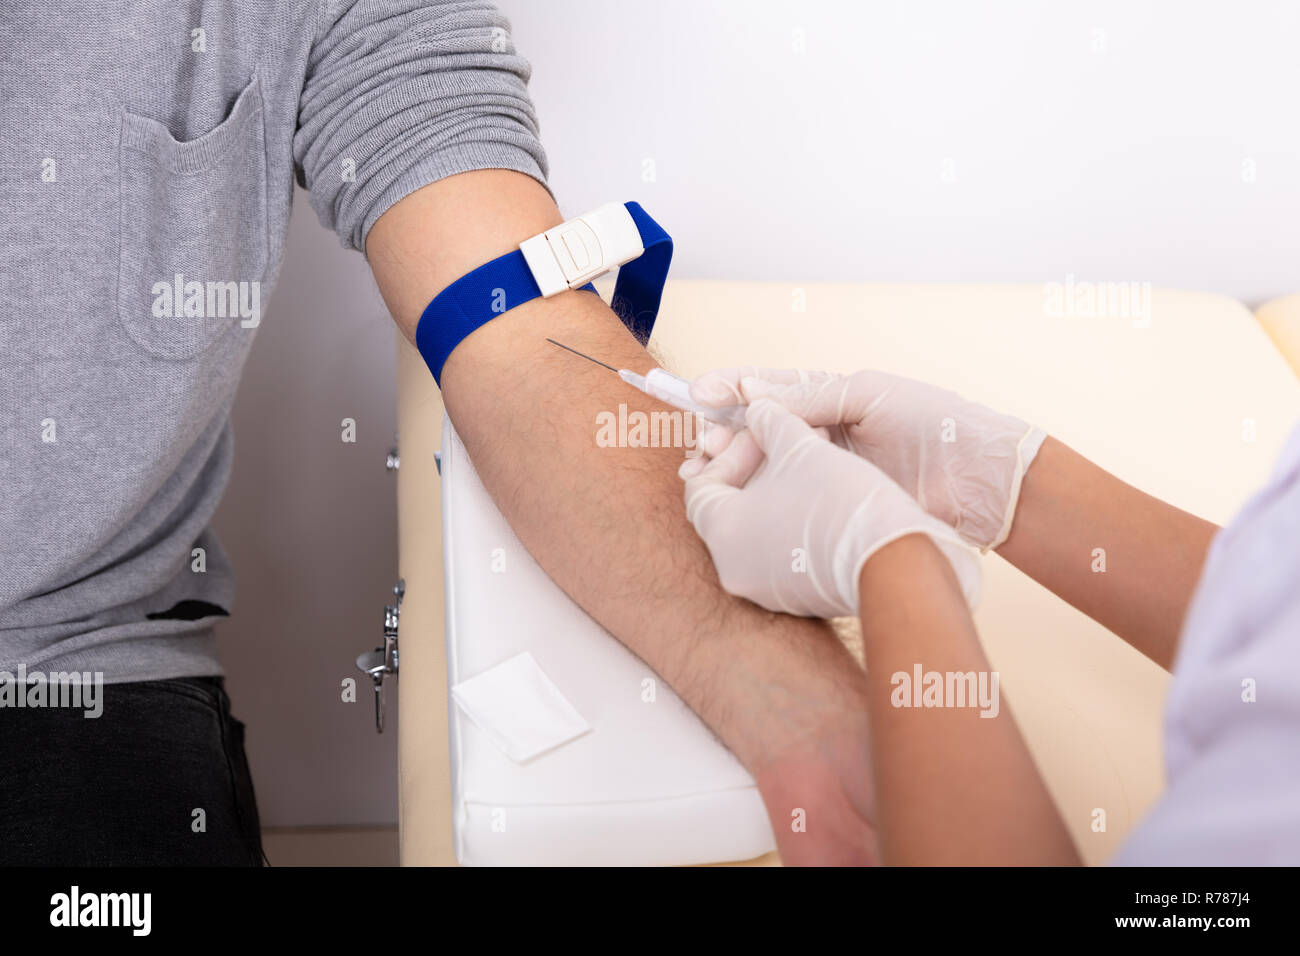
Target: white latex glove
(790, 519)
(963, 462)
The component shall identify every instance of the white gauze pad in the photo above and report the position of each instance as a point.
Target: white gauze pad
(519, 708)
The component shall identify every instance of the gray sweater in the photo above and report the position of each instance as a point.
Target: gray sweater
(146, 173)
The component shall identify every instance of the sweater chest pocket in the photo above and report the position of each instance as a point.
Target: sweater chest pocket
(192, 231)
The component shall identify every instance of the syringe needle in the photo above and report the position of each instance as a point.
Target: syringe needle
(584, 355)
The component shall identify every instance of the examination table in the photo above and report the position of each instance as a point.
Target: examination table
(1190, 402)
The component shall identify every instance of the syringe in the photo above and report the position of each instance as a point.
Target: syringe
(671, 389)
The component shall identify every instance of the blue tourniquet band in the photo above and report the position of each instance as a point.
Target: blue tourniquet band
(498, 286)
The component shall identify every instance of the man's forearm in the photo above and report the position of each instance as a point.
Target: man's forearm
(955, 783)
(608, 524)
(1127, 560)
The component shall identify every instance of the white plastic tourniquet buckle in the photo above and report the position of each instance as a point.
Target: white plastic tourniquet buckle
(570, 255)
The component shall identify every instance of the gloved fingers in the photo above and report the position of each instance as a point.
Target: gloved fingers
(710, 487)
(716, 439)
(705, 498)
(832, 401)
(737, 462)
(711, 443)
(691, 467)
(714, 443)
(722, 387)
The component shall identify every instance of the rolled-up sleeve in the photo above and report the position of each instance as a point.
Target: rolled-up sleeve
(401, 93)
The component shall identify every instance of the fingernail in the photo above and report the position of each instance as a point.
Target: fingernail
(715, 441)
(690, 468)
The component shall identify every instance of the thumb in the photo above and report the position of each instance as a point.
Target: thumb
(720, 387)
(831, 400)
(802, 398)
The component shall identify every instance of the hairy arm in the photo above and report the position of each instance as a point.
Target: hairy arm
(608, 524)
(952, 786)
(1153, 551)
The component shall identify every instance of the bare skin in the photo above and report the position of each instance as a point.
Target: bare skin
(1153, 551)
(607, 524)
(955, 787)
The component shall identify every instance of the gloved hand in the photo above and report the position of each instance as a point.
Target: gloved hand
(790, 519)
(963, 462)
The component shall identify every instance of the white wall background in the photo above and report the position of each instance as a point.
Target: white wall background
(971, 141)
(311, 526)
(1105, 139)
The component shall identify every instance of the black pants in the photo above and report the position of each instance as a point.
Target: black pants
(159, 778)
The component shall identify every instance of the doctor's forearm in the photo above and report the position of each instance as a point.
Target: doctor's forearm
(608, 524)
(955, 783)
(1124, 558)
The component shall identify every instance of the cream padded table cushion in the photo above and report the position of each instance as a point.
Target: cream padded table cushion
(1281, 320)
(1193, 407)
